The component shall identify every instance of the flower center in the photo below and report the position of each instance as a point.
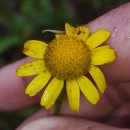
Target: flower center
(67, 57)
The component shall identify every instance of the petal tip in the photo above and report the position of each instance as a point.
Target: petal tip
(95, 101)
(29, 93)
(107, 33)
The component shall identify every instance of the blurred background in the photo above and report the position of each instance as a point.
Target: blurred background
(21, 20)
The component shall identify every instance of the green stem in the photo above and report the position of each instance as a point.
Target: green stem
(59, 102)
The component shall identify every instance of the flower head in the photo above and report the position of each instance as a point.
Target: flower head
(68, 58)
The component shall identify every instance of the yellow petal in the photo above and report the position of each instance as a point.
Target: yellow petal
(98, 49)
(82, 33)
(73, 94)
(98, 77)
(103, 57)
(70, 30)
(31, 68)
(97, 38)
(58, 36)
(38, 83)
(51, 93)
(34, 48)
(88, 89)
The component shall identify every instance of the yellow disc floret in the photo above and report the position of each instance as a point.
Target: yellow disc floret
(67, 57)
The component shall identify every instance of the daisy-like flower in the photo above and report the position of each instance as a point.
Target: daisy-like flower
(69, 57)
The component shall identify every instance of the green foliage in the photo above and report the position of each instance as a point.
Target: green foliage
(8, 120)
(8, 42)
(29, 20)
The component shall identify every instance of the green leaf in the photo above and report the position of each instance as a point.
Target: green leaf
(7, 42)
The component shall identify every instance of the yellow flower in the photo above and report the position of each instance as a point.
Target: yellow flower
(68, 58)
